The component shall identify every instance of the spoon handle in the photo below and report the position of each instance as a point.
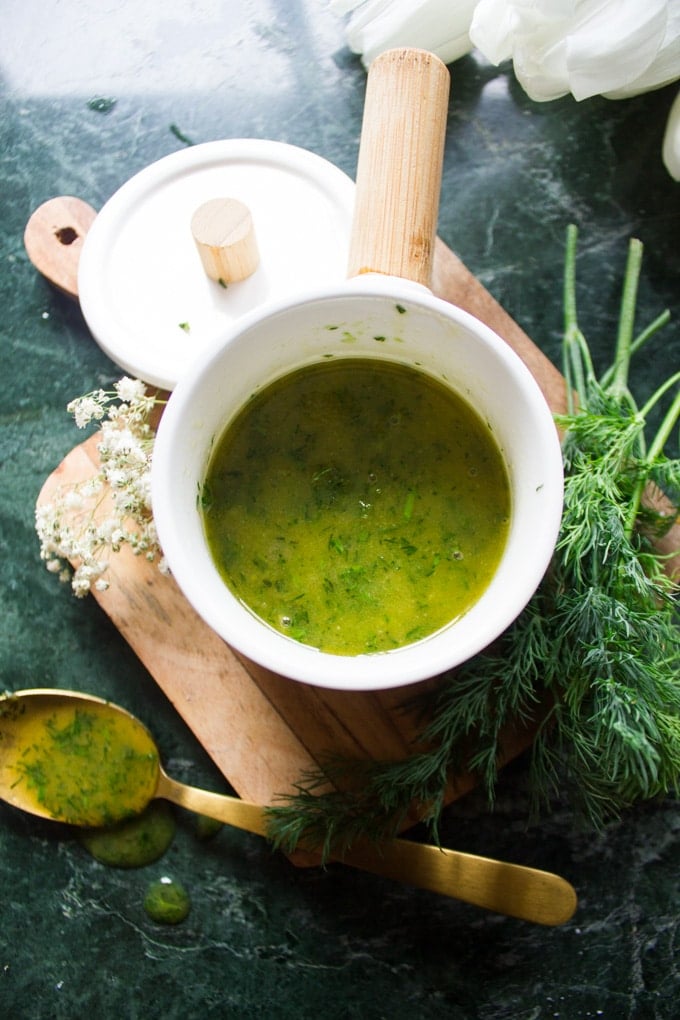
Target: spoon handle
(510, 889)
(230, 810)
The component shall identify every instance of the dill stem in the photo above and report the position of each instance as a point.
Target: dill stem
(624, 340)
(576, 358)
(571, 368)
(672, 415)
(570, 315)
(639, 341)
(657, 445)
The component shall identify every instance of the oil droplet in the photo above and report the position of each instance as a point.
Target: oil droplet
(206, 827)
(135, 842)
(167, 901)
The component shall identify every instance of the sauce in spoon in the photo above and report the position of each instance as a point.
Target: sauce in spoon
(82, 762)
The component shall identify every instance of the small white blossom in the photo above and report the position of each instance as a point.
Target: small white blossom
(117, 536)
(86, 521)
(87, 409)
(116, 477)
(91, 487)
(130, 390)
(74, 500)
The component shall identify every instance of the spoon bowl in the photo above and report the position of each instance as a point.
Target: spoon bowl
(80, 760)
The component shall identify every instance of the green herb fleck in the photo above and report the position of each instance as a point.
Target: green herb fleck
(180, 135)
(101, 104)
(409, 504)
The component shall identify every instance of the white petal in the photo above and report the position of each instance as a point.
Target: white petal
(341, 7)
(586, 47)
(671, 141)
(665, 67)
(440, 26)
(612, 44)
(540, 64)
(493, 28)
(363, 12)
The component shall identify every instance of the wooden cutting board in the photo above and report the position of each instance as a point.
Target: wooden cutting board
(263, 731)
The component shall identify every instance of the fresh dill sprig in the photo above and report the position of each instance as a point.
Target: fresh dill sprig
(594, 660)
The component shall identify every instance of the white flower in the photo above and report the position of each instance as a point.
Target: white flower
(615, 48)
(79, 527)
(671, 141)
(73, 500)
(87, 409)
(130, 390)
(116, 477)
(116, 535)
(144, 490)
(437, 25)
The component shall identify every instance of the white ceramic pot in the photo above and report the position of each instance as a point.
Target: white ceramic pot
(421, 331)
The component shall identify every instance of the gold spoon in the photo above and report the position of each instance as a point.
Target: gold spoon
(78, 759)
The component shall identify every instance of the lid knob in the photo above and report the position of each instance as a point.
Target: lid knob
(225, 238)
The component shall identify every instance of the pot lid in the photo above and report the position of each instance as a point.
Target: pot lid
(143, 291)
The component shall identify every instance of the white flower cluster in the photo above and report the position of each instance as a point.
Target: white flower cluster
(86, 521)
(615, 48)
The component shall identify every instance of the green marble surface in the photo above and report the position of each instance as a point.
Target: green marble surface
(264, 939)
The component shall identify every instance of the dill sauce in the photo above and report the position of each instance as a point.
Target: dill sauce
(356, 505)
(85, 766)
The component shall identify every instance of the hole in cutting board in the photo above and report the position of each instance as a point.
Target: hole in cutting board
(66, 235)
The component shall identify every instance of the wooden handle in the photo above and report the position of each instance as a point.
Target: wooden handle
(400, 166)
(54, 238)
